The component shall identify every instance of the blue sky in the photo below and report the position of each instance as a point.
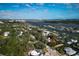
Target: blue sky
(39, 11)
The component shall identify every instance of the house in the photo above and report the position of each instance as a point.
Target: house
(77, 31)
(1, 22)
(45, 33)
(21, 32)
(69, 51)
(69, 42)
(74, 41)
(32, 36)
(6, 33)
(34, 53)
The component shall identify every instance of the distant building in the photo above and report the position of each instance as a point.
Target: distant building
(35, 53)
(46, 33)
(74, 41)
(6, 33)
(69, 51)
(69, 42)
(32, 36)
(21, 32)
(1, 22)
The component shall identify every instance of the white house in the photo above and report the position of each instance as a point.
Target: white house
(32, 36)
(74, 41)
(1, 22)
(77, 31)
(70, 51)
(45, 33)
(34, 53)
(21, 32)
(69, 42)
(6, 33)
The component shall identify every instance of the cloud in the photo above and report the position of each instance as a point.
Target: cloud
(34, 7)
(31, 4)
(7, 14)
(28, 5)
(3, 12)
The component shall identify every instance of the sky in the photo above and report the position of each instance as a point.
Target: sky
(39, 11)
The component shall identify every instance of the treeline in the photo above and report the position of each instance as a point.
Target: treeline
(63, 21)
